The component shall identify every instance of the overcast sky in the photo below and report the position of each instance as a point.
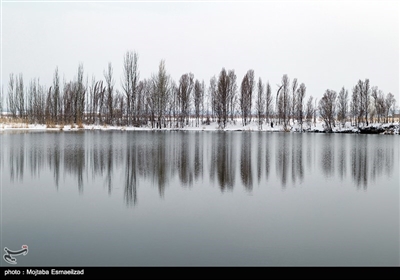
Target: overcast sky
(324, 44)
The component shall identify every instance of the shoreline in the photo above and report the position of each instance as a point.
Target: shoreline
(378, 128)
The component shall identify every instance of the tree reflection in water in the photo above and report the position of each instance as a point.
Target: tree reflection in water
(195, 157)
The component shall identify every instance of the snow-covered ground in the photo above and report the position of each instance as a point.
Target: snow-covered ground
(231, 126)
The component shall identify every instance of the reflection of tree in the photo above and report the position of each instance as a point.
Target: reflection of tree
(378, 162)
(130, 194)
(342, 157)
(74, 158)
(198, 156)
(184, 163)
(267, 158)
(282, 159)
(109, 156)
(162, 156)
(328, 156)
(359, 161)
(54, 159)
(222, 160)
(389, 160)
(294, 162)
(259, 155)
(160, 163)
(245, 161)
(299, 157)
(225, 161)
(310, 149)
(36, 154)
(17, 160)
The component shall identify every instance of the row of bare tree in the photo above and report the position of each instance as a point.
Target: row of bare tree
(160, 102)
(367, 105)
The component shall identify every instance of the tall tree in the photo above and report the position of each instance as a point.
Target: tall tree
(268, 102)
(198, 100)
(293, 101)
(355, 105)
(359, 89)
(374, 95)
(301, 93)
(212, 94)
(1, 101)
(342, 105)
(186, 84)
(366, 92)
(130, 82)
(260, 102)
(389, 105)
(56, 97)
(20, 93)
(222, 98)
(232, 93)
(283, 96)
(108, 76)
(246, 92)
(161, 91)
(12, 100)
(80, 93)
(327, 106)
(309, 110)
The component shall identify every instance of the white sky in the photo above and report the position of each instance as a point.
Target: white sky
(324, 44)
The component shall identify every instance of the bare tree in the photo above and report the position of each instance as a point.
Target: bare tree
(283, 95)
(49, 108)
(293, 101)
(366, 92)
(260, 102)
(232, 100)
(141, 102)
(160, 94)
(222, 98)
(186, 84)
(40, 103)
(315, 111)
(358, 92)
(79, 98)
(355, 105)
(108, 76)
(381, 106)
(55, 99)
(130, 82)
(198, 99)
(20, 94)
(393, 109)
(327, 108)
(374, 95)
(246, 91)
(99, 101)
(30, 103)
(35, 103)
(12, 107)
(212, 96)
(1, 100)
(342, 105)
(301, 93)
(389, 104)
(268, 103)
(309, 110)
(149, 102)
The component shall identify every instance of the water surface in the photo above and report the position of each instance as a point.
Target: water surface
(105, 198)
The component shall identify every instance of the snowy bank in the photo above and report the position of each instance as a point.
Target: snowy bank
(319, 127)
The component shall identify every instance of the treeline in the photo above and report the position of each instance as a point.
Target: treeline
(160, 102)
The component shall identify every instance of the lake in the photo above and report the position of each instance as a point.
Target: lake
(164, 198)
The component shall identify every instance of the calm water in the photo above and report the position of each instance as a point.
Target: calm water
(200, 198)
